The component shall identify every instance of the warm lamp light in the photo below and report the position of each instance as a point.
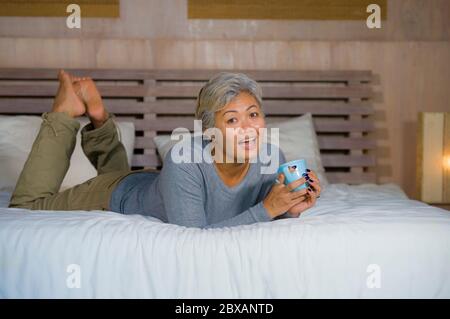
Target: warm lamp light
(447, 162)
(433, 158)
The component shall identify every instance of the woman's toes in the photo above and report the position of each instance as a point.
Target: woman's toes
(60, 75)
(65, 80)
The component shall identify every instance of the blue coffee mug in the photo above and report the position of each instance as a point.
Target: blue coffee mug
(293, 171)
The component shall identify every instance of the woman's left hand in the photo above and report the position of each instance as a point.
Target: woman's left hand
(314, 190)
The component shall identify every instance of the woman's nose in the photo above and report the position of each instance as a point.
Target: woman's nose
(247, 130)
(246, 124)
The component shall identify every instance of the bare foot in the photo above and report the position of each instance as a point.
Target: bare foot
(86, 89)
(66, 100)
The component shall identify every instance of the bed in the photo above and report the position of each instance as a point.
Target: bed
(361, 240)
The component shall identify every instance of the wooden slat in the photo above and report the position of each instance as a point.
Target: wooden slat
(355, 152)
(50, 90)
(15, 106)
(147, 117)
(52, 74)
(190, 75)
(321, 125)
(40, 105)
(272, 76)
(181, 107)
(345, 143)
(144, 142)
(271, 107)
(337, 125)
(128, 107)
(317, 92)
(317, 108)
(329, 160)
(191, 91)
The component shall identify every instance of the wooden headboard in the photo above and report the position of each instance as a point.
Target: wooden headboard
(157, 101)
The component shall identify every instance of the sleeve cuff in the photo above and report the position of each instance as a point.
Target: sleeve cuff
(260, 213)
(89, 131)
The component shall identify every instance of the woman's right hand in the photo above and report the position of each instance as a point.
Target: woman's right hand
(281, 197)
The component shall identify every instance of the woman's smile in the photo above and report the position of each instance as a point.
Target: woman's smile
(249, 143)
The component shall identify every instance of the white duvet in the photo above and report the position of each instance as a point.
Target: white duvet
(363, 241)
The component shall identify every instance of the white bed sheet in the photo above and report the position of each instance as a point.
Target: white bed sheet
(354, 235)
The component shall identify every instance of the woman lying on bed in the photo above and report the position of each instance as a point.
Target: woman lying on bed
(206, 194)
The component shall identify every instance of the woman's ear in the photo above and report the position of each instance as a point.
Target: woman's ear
(197, 109)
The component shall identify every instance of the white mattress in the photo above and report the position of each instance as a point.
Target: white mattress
(363, 241)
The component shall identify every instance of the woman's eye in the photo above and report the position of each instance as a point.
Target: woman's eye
(254, 114)
(232, 120)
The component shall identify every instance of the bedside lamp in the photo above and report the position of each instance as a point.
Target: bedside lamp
(433, 158)
(447, 162)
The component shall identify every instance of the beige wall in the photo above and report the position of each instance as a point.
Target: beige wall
(417, 20)
(410, 55)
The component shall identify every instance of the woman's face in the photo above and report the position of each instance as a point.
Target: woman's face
(241, 118)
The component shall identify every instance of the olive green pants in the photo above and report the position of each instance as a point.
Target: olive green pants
(47, 164)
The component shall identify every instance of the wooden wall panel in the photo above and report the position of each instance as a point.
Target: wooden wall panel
(57, 8)
(283, 9)
(415, 20)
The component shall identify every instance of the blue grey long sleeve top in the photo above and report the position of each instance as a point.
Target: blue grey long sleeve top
(193, 194)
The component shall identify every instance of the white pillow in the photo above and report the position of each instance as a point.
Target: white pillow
(298, 139)
(17, 135)
(164, 143)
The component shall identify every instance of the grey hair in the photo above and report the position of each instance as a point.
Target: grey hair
(221, 90)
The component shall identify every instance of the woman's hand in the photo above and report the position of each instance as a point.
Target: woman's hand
(313, 192)
(281, 198)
